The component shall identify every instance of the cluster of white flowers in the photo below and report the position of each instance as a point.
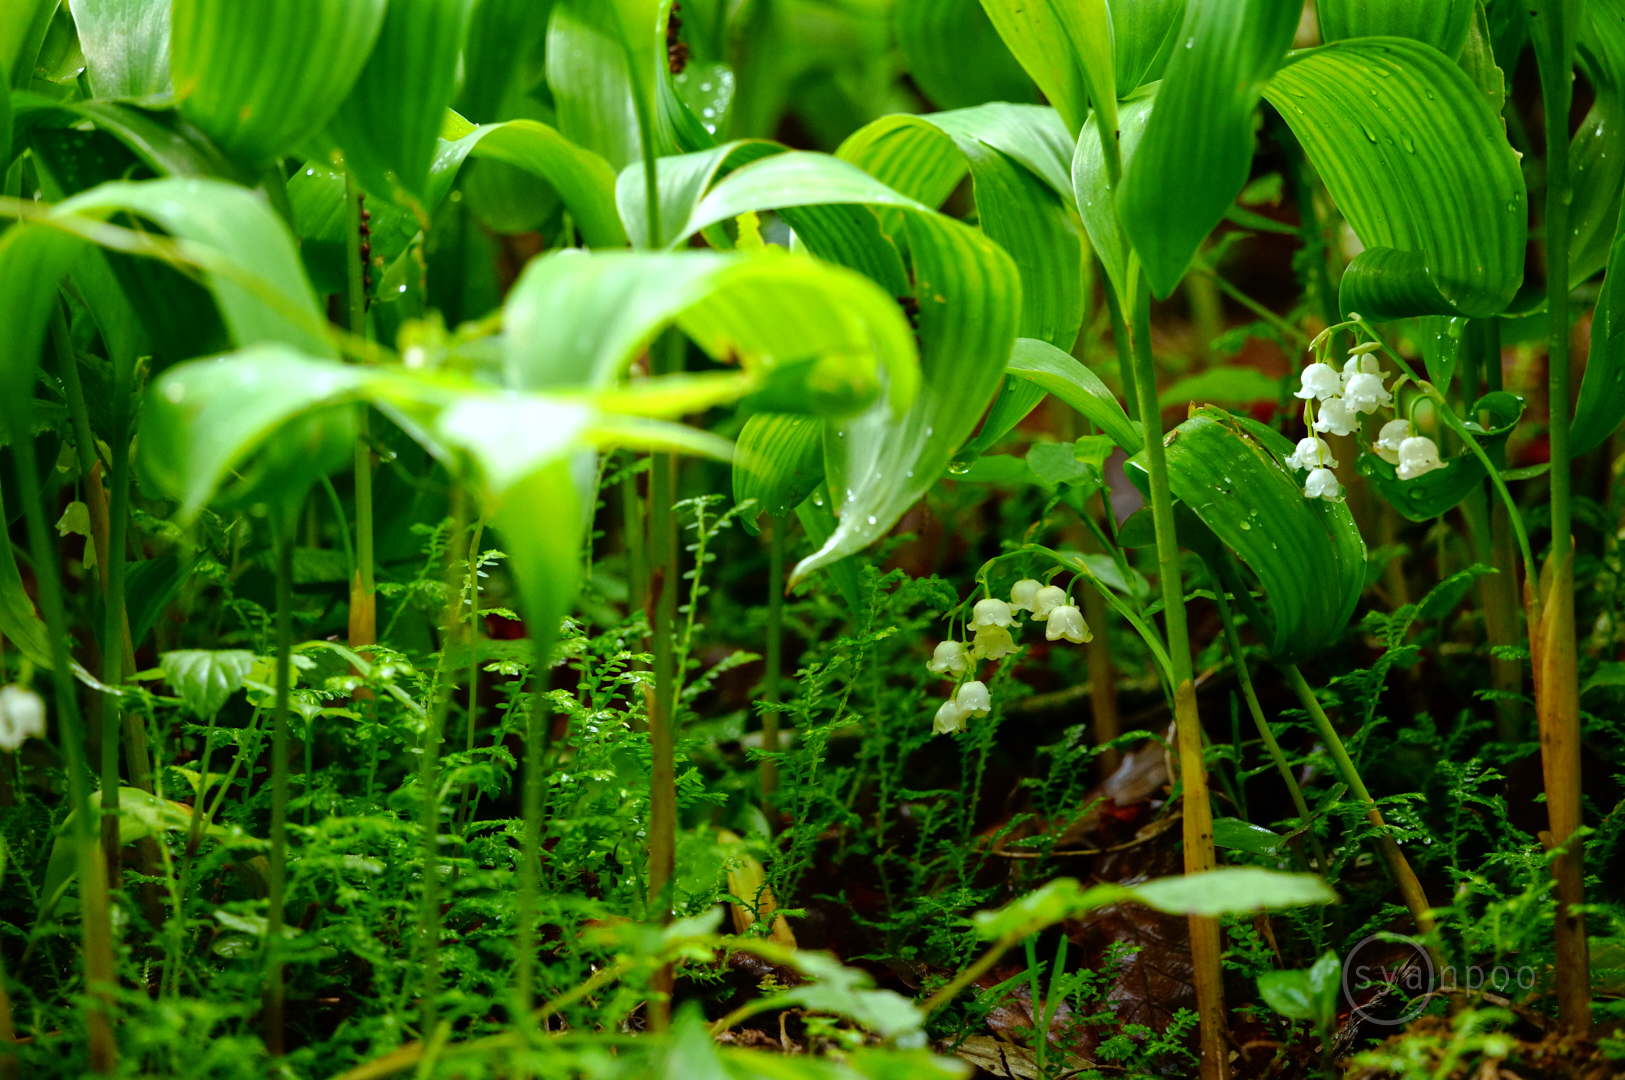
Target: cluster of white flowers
(990, 624)
(1341, 399)
(22, 714)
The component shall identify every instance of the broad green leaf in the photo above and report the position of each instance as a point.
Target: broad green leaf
(1433, 493)
(575, 319)
(1597, 151)
(835, 988)
(793, 179)
(259, 78)
(501, 38)
(1065, 376)
(819, 522)
(389, 126)
(1221, 385)
(604, 60)
(1444, 24)
(1017, 398)
(1601, 405)
(1144, 33)
(1422, 170)
(161, 140)
(254, 270)
(681, 181)
(1242, 835)
(22, 29)
(1307, 553)
(205, 678)
(1478, 61)
(1066, 46)
(779, 462)
(1308, 994)
(1233, 890)
(955, 55)
(126, 46)
(1201, 126)
(1092, 190)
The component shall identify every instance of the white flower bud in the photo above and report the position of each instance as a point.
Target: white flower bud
(1023, 593)
(1365, 392)
(1320, 381)
(948, 659)
(1049, 598)
(1336, 417)
(1360, 365)
(1067, 622)
(1418, 455)
(991, 612)
(1312, 453)
(950, 718)
(992, 643)
(22, 714)
(1322, 484)
(1392, 434)
(973, 699)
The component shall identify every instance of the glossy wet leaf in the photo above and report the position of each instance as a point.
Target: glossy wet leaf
(1242, 835)
(501, 37)
(1597, 150)
(1201, 126)
(1067, 378)
(259, 78)
(389, 126)
(1092, 190)
(1422, 170)
(1431, 494)
(163, 141)
(1066, 47)
(1444, 24)
(126, 46)
(22, 28)
(681, 180)
(956, 56)
(1308, 994)
(1144, 36)
(1601, 404)
(1307, 553)
(779, 462)
(205, 678)
(604, 58)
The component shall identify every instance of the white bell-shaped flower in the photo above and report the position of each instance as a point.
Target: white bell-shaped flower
(973, 699)
(1418, 455)
(991, 612)
(1320, 381)
(1365, 392)
(1336, 417)
(1392, 434)
(1361, 364)
(950, 718)
(1067, 622)
(1322, 484)
(1312, 453)
(992, 643)
(948, 659)
(1049, 598)
(22, 715)
(1023, 593)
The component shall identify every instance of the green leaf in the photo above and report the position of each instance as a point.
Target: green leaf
(1066, 46)
(1144, 33)
(955, 55)
(1422, 170)
(259, 78)
(578, 319)
(1064, 376)
(849, 992)
(681, 181)
(1233, 890)
(1597, 151)
(1241, 835)
(126, 46)
(542, 521)
(205, 678)
(1307, 994)
(161, 140)
(1601, 404)
(22, 30)
(1201, 127)
(1222, 385)
(501, 38)
(1307, 553)
(604, 58)
(1443, 24)
(819, 522)
(1431, 494)
(779, 462)
(389, 126)
(1092, 189)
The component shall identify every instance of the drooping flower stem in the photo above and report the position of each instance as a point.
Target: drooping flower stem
(1410, 889)
(1198, 810)
(1550, 601)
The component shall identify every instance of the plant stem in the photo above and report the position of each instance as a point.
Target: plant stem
(1416, 901)
(96, 920)
(1551, 602)
(1198, 809)
(277, 878)
(663, 585)
(363, 628)
(772, 675)
(538, 734)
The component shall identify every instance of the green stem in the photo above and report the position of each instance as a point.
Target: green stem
(363, 629)
(471, 793)
(277, 878)
(1198, 810)
(772, 676)
(1416, 901)
(538, 734)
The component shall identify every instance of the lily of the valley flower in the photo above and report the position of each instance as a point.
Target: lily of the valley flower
(1312, 453)
(1067, 622)
(992, 643)
(1320, 381)
(1418, 455)
(1049, 598)
(1365, 392)
(973, 699)
(950, 718)
(948, 659)
(1322, 484)
(22, 714)
(1336, 417)
(1023, 593)
(991, 612)
(1392, 434)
